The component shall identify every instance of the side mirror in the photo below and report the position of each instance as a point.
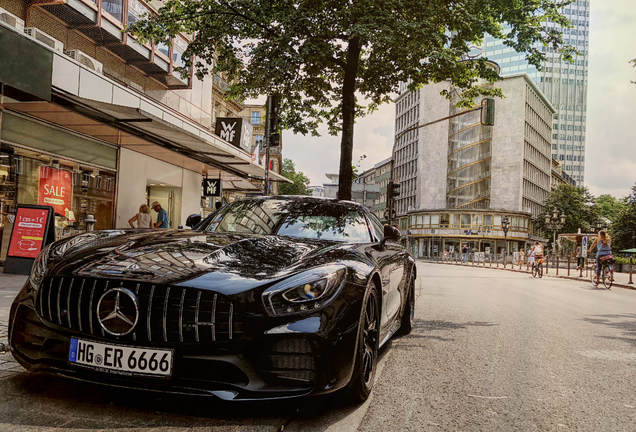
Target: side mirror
(193, 220)
(391, 233)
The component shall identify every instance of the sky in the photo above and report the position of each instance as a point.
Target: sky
(610, 154)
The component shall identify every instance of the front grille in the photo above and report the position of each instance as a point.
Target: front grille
(290, 359)
(168, 315)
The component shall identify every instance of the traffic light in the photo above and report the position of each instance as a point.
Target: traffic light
(488, 112)
(273, 114)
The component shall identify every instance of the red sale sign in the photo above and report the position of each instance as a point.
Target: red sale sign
(56, 189)
(28, 232)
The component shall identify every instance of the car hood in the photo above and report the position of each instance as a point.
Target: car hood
(227, 263)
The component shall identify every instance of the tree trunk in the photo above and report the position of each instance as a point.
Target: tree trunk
(348, 118)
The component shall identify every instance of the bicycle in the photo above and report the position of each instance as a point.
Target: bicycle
(607, 272)
(537, 268)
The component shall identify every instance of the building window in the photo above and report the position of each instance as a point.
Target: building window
(258, 140)
(114, 8)
(256, 117)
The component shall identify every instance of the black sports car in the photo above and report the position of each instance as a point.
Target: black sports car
(266, 298)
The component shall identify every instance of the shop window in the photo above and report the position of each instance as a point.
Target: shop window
(476, 220)
(456, 218)
(488, 220)
(434, 220)
(465, 221)
(30, 178)
(444, 220)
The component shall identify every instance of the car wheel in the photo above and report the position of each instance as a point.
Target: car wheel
(367, 352)
(408, 316)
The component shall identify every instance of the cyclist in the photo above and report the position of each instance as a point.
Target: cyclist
(603, 245)
(537, 252)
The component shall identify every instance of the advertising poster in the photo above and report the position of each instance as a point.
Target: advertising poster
(56, 189)
(28, 233)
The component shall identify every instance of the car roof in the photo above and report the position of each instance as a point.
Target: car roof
(307, 198)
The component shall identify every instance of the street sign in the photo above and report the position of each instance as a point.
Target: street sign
(584, 247)
(33, 228)
(211, 187)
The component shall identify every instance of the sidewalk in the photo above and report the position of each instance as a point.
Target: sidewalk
(620, 279)
(9, 287)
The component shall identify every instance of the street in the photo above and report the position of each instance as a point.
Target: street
(491, 350)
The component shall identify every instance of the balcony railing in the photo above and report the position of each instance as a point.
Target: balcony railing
(104, 21)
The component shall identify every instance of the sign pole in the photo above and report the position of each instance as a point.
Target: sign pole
(266, 141)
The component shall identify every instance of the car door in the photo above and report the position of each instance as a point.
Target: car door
(390, 260)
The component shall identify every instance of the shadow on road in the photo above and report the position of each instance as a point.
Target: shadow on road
(623, 322)
(422, 327)
(33, 401)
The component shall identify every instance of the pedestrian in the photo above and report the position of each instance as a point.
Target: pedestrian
(143, 218)
(162, 216)
(580, 262)
(464, 254)
(522, 257)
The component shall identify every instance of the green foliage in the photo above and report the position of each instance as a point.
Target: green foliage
(299, 187)
(577, 203)
(608, 206)
(321, 56)
(623, 227)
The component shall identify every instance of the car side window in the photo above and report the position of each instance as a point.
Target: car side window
(376, 227)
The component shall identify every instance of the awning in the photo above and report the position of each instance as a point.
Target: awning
(174, 133)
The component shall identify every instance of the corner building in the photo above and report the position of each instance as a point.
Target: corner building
(82, 100)
(459, 179)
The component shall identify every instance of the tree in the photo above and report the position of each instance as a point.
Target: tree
(623, 229)
(299, 187)
(608, 206)
(578, 205)
(332, 61)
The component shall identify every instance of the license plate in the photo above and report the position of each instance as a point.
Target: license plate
(121, 358)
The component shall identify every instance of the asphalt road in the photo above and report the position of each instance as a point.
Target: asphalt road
(492, 351)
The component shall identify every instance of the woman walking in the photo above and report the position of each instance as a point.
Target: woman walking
(143, 218)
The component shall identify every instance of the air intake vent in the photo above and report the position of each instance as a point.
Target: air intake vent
(85, 60)
(11, 20)
(46, 39)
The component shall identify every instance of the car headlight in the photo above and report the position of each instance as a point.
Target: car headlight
(39, 267)
(305, 292)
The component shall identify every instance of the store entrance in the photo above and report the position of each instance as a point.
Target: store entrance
(170, 199)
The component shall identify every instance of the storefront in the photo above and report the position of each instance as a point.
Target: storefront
(47, 165)
(438, 232)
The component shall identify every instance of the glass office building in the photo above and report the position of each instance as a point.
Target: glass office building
(563, 83)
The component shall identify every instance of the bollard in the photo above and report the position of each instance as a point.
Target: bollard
(630, 271)
(568, 266)
(557, 265)
(580, 267)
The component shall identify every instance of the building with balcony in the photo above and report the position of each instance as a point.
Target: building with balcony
(459, 168)
(120, 122)
(363, 193)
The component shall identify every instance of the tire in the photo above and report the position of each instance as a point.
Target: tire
(366, 360)
(408, 315)
(535, 270)
(605, 274)
(540, 271)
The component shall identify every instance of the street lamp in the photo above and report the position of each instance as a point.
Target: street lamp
(554, 223)
(505, 226)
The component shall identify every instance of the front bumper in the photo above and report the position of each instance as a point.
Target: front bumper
(273, 359)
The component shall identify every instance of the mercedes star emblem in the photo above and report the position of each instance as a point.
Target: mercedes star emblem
(118, 311)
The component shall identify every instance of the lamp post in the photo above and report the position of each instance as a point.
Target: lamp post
(505, 226)
(554, 223)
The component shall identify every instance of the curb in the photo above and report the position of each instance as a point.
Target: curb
(630, 287)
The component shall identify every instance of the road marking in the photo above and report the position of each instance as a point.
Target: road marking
(488, 397)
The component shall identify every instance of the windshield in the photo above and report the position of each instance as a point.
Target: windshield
(294, 218)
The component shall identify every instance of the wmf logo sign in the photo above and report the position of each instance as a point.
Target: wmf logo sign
(211, 187)
(229, 129)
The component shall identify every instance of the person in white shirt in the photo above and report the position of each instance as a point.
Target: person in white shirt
(143, 218)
